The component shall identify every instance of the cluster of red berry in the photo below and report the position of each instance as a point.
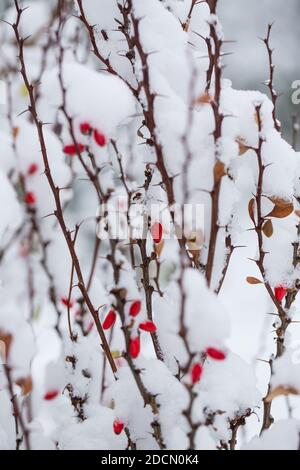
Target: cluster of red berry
(135, 343)
(71, 150)
(197, 369)
(85, 129)
(30, 197)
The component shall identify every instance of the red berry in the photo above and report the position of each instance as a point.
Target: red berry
(118, 426)
(85, 128)
(109, 320)
(157, 232)
(135, 347)
(30, 198)
(32, 169)
(148, 326)
(51, 395)
(73, 149)
(68, 303)
(99, 138)
(216, 354)
(280, 293)
(196, 373)
(90, 327)
(135, 308)
(24, 249)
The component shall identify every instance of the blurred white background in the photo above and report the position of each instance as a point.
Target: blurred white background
(245, 21)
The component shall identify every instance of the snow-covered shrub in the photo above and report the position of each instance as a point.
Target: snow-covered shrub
(173, 336)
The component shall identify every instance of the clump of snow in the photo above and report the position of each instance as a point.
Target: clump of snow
(283, 435)
(10, 211)
(102, 100)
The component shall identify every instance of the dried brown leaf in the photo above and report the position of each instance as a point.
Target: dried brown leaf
(243, 147)
(251, 209)
(25, 384)
(15, 132)
(6, 339)
(195, 240)
(159, 247)
(280, 212)
(281, 390)
(277, 201)
(253, 280)
(186, 26)
(268, 228)
(205, 98)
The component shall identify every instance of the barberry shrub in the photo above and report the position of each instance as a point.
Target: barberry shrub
(179, 332)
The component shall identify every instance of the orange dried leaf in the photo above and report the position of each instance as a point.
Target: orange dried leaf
(205, 98)
(219, 171)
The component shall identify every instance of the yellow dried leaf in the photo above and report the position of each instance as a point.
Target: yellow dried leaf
(24, 91)
(116, 354)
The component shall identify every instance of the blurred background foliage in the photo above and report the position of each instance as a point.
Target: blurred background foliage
(245, 21)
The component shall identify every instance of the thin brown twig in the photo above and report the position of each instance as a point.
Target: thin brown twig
(120, 308)
(219, 169)
(95, 50)
(186, 24)
(16, 411)
(270, 81)
(258, 225)
(56, 190)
